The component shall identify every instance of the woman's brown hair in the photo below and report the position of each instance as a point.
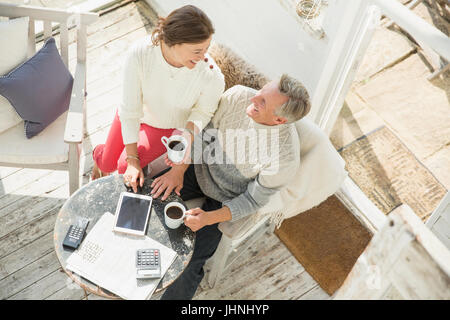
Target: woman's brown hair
(187, 24)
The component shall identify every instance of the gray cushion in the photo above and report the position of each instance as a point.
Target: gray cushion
(39, 89)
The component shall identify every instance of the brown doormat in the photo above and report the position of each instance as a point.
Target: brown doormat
(389, 174)
(327, 240)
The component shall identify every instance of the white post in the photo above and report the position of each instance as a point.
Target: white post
(346, 53)
(418, 28)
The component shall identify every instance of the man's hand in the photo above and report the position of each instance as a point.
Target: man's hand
(173, 179)
(197, 218)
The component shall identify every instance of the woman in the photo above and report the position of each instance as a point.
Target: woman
(168, 84)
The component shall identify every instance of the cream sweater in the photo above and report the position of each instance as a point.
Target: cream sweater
(162, 96)
(240, 162)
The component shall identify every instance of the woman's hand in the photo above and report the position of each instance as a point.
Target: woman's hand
(196, 219)
(173, 179)
(168, 162)
(134, 173)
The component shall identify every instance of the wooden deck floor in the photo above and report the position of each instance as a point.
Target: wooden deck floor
(30, 199)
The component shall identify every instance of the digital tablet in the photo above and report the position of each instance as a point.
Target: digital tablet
(132, 213)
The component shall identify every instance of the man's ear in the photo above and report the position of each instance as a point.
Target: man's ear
(280, 120)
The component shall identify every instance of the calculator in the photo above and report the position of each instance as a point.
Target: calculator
(148, 264)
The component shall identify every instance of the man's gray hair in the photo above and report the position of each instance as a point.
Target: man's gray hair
(298, 104)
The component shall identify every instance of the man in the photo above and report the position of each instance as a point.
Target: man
(236, 173)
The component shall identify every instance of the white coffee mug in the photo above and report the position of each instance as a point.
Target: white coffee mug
(174, 155)
(171, 222)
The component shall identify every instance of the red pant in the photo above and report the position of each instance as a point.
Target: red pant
(111, 156)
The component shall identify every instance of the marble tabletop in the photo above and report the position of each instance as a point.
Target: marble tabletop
(100, 196)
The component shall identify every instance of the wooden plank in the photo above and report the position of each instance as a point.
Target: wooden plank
(439, 221)
(13, 202)
(279, 276)
(15, 182)
(49, 285)
(112, 81)
(40, 13)
(81, 43)
(261, 228)
(95, 297)
(94, 139)
(74, 126)
(292, 286)
(67, 293)
(316, 293)
(41, 186)
(133, 21)
(392, 294)
(112, 32)
(272, 284)
(101, 24)
(30, 232)
(253, 253)
(35, 208)
(441, 228)
(100, 109)
(6, 171)
(74, 168)
(64, 42)
(47, 29)
(26, 255)
(258, 254)
(425, 238)
(404, 254)
(109, 57)
(44, 244)
(96, 26)
(417, 276)
(25, 277)
(31, 38)
(268, 261)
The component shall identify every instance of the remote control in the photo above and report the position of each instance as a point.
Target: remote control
(75, 234)
(148, 264)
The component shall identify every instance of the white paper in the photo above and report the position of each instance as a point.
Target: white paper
(108, 259)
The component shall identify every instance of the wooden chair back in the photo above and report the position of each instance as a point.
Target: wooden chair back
(63, 20)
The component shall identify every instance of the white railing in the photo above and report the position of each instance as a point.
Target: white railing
(419, 29)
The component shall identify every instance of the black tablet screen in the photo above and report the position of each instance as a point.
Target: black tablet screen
(133, 213)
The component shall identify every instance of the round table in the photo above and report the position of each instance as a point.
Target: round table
(101, 195)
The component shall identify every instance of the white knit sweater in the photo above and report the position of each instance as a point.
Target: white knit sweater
(162, 96)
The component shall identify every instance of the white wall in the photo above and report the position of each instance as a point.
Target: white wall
(268, 34)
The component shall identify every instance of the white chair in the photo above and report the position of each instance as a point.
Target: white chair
(307, 190)
(57, 147)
